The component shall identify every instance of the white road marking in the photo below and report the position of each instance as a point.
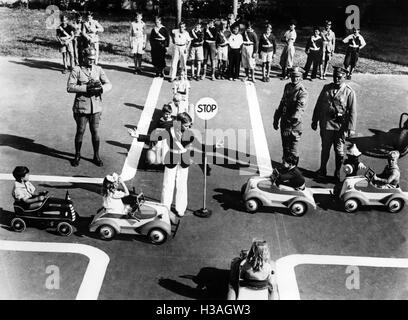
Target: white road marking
(7, 176)
(261, 144)
(132, 160)
(286, 276)
(95, 271)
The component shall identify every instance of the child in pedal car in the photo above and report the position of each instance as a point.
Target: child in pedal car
(24, 191)
(112, 195)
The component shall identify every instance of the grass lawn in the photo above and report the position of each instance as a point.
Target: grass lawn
(23, 33)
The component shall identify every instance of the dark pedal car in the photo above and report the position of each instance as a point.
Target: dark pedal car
(54, 213)
(147, 218)
(262, 191)
(358, 191)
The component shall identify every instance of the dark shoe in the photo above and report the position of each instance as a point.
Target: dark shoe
(321, 173)
(75, 162)
(97, 161)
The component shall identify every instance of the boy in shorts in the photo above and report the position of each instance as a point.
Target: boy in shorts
(267, 49)
(222, 49)
(137, 40)
(65, 36)
(196, 56)
(249, 52)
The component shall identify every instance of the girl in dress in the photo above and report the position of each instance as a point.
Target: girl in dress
(112, 195)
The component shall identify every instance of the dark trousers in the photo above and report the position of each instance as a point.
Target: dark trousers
(337, 140)
(351, 58)
(234, 63)
(313, 59)
(290, 141)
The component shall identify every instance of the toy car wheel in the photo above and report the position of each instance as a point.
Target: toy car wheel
(252, 205)
(298, 209)
(64, 229)
(395, 205)
(106, 232)
(157, 236)
(351, 205)
(18, 225)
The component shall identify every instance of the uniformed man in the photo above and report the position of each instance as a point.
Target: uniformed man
(336, 114)
(88, 82)
(290, 111)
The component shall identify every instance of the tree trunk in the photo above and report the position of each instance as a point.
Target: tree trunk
(179, 9)
(235, 7)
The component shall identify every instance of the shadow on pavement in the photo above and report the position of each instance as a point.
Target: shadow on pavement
(28, 145)
(40, 64)
(210, 284)
(381, 142)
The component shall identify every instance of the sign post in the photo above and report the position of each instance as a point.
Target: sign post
(206, 109)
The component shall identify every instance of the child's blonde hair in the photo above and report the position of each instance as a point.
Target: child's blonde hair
(258, 255)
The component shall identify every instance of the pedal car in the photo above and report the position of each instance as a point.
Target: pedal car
(54, 212)
(241, 289)
(361, 191)
(146, 218)
(262, 191)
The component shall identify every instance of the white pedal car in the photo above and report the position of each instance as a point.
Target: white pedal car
(359, 191)
(148, 218)
(262, 191)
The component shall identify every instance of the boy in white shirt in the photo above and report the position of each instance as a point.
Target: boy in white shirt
(235, 42)
(181, 39)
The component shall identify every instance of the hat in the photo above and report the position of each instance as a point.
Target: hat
(90, 53)
(353, 151)
(177, 97)
(114, 177)
(296, 71)
(393, 155)
(339, 70)
(328, 23)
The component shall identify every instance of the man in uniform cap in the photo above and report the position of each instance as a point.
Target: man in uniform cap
(290, 111)
(390, 176)
(336, 113)
(88, 82)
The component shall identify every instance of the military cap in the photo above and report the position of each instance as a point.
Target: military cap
(393, 155)
(340, 70)
(353, 151)
(296, 71)
(90, 53)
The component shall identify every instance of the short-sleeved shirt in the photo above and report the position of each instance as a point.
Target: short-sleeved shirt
(181, 38)
(23, 191)
(68, 30)
(235, 41)
(113, 202)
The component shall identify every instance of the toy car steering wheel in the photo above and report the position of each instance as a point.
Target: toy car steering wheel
(369, 174)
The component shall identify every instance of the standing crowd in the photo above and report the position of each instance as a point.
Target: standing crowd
(217, 49)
